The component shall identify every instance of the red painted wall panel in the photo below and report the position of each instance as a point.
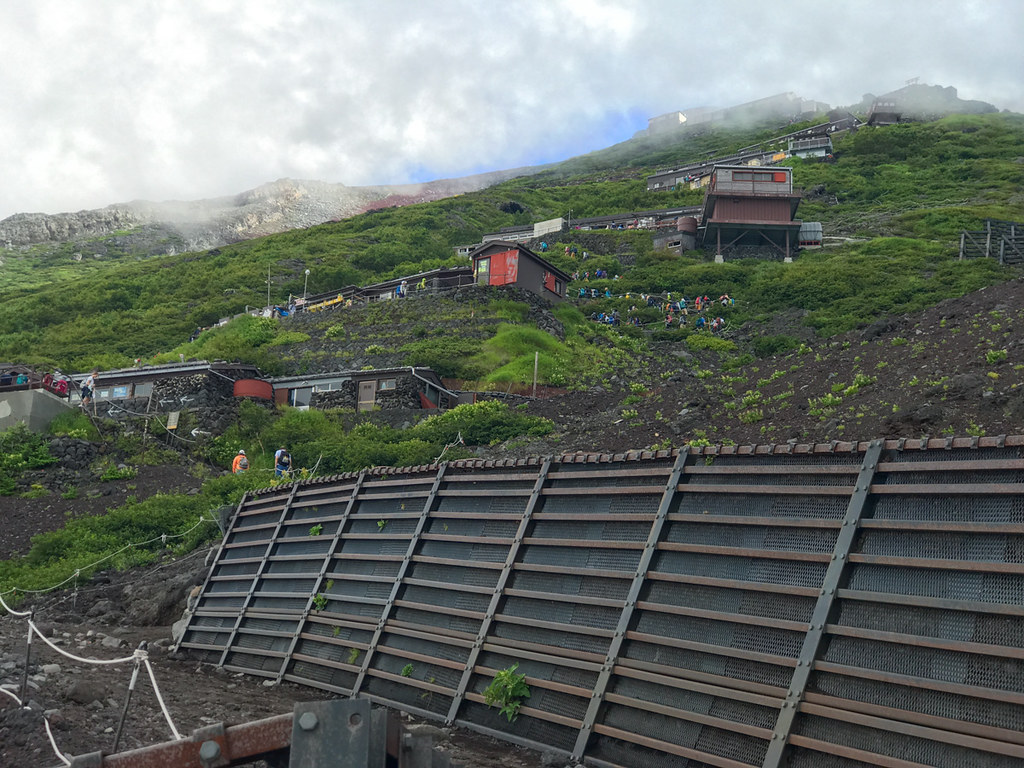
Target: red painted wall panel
(505, 267)
(254, 388)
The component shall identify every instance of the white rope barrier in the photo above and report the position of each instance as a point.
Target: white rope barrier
(10, 610)
(53, 743)
(159, 698)
(12, 695)
(81, 659)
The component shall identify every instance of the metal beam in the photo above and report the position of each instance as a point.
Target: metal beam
(259, 573)
(323, 571)
(499, 588)
(399, 579)
(826, 599)
(626, 616)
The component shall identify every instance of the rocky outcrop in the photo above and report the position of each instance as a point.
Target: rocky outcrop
(148, 228)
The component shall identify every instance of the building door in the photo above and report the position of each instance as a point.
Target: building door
(483, 271)
(367, 395)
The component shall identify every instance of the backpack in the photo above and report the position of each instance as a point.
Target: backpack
(243, 463)
(285, 460)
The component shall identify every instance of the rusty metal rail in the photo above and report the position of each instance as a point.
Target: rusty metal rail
(340, 733)
(833, 605)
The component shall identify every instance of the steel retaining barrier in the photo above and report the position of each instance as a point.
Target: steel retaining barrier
(831, 605)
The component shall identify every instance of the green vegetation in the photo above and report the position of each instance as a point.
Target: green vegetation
(507, 691)
(20, 451)
(912, 188)
(92, 543)
(902, 193)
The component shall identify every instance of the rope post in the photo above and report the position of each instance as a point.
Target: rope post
(128, 698)
(28, 658)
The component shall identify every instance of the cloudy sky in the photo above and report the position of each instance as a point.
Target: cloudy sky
(105, 101)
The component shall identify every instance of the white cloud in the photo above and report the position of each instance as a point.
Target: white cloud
(107, 101)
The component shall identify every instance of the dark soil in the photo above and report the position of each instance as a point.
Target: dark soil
(954, 369)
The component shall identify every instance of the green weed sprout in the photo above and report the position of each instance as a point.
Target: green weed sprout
(507, 692)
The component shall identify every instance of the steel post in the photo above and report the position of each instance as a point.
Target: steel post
(349, 506)
(615, 646)
(259, 573)
(421, 523)
(826, 599)
(499, 588)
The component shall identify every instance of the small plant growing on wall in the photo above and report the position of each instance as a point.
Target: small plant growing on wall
(407, 670)
(316, 530)
(319, 602)
(507, 691)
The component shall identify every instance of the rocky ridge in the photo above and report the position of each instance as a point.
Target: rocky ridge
(175, 226)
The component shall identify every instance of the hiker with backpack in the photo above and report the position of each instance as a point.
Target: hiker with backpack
(240, 463)
(282, 462)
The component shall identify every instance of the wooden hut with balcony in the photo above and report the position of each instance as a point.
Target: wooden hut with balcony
(750, 212)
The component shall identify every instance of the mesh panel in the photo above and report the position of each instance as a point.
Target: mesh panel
(954, 585)
(741, 669)
(951, 666)
(994, 509)
(579, 557)
(762, 505)
(477, 577)
(566, 613)
(431, 619)
(552, 637)
(458, 550)
(900, 746)
(773, 605)
(930, 702)
(594, 531)
(753, 536)
(407, 694)
(557, 736)
(703, 738)
(943, 546)
(934, 622)
(791, 573)
(570, 584)
(483, 505)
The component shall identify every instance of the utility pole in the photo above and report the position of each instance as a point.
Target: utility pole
(304, 284)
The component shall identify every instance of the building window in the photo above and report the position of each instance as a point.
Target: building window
(387, 384)
(752, 176)
(145, 389)
(483, 271)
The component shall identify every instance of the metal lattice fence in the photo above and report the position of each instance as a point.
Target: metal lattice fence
(833, 605)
